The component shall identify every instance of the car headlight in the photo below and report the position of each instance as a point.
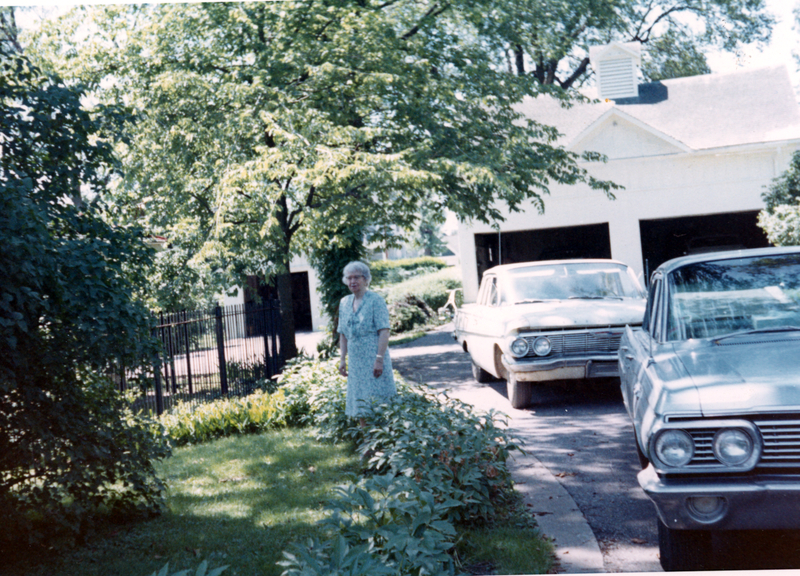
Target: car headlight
(542, 346)
(674, 448)
(519, 347)
(733, 446)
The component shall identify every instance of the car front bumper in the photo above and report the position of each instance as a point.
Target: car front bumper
(572, 368)
(768, 502)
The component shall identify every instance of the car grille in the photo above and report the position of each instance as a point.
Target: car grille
(781, 444)
(579, 343)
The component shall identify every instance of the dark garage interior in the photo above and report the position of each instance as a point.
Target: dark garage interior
(669, 238)
(589, 241)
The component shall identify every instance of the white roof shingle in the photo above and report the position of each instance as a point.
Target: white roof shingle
(702, 112)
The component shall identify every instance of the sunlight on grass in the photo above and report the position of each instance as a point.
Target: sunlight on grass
(238, 501)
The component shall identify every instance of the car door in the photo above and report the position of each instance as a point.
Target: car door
(485, 325)
(636, 353)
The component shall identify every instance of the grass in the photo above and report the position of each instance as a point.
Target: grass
(238, 501)
(241, 501)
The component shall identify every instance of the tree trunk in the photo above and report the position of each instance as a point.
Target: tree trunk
(288, 344)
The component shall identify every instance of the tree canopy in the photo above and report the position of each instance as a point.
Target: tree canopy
(260, 127)
(549, 39)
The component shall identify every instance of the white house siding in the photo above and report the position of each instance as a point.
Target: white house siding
(688, 147)
(656, 187)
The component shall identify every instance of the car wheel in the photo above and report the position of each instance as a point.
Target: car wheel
(481, 375)
(684, 550)
(519, 393)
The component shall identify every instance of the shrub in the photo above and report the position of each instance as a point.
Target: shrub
(433, 289)
(449, 451)
(415, 302)
(187, 423)
(390, 525)
(386, 272)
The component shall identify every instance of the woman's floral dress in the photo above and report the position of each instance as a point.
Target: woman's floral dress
(361, 330)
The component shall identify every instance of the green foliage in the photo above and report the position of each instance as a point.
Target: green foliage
(329, 259)
(202, 570)
(672, 56)
(69, 449)
(386, 272)
(439, 442)
(381, 521)
(415, 302)
(188, 423)
(780, 220)
(548, 40)
(432, 466)
(261, 127)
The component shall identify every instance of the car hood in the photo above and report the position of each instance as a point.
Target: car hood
(744, 374)
(576, 313)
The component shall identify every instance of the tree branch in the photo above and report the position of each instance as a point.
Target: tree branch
(579, 71)
(434, 11)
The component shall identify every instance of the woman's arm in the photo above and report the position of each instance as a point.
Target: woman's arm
(343, 352)
(383, 344)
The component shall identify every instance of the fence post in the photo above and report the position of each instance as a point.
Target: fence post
(159, 390)
(223, 371)
(265, 327)
(188, 351)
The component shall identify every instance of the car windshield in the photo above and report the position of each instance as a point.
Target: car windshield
(713, 299)
(565, 281)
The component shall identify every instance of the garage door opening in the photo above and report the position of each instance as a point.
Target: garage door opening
(493, 249)
(669, 238)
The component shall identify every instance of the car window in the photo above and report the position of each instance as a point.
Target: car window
(571, 280)
(649, 324)
(712, 299)
(494, 295)
(485, 294)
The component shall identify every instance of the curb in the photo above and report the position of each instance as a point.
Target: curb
(557, 516)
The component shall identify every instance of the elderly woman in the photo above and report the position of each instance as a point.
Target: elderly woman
(364, 337)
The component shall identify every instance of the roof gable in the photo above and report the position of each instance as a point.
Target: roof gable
(618, 135)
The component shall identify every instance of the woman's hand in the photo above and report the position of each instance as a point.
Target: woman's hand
(343, 368)
(377, 370)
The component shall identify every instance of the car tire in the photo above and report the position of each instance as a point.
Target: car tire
(684, 550)
(519, 393)
(481, 376)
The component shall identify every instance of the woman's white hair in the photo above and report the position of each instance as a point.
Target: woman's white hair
(357, 267)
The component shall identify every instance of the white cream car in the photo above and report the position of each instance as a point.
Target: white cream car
(535, 322)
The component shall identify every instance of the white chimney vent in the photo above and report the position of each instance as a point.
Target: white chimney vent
(617, 68)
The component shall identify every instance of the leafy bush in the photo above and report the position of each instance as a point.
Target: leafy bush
(202, 570)
(432, 463)
(386, 272)
(415, 302)
(69, 451)
(382, 525)
(449, 451)
(189, 423)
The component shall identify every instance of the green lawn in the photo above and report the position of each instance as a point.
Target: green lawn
(238, 501)
(241, 501)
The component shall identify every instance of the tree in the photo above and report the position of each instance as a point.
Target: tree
(780, 219)
(67, 315)
(550, 39)
(260, 127)
(428, 233)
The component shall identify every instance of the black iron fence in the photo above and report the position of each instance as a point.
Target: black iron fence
(211, 354)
